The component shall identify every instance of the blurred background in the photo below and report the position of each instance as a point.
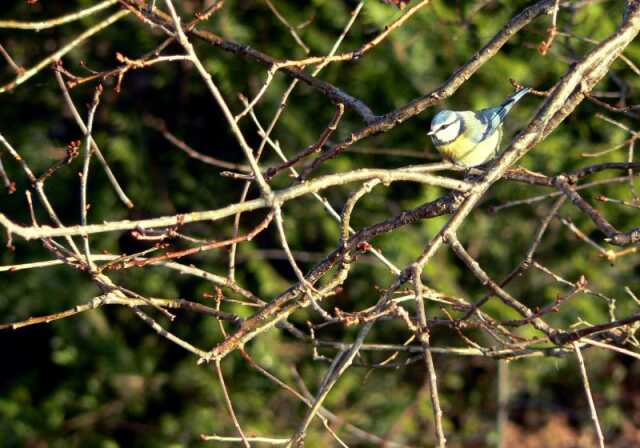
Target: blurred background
(103, 378)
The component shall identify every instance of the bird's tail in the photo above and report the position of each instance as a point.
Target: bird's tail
(506, 106)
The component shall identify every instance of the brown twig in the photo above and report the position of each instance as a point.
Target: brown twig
(424, 338)
(587, 391)
(94, 146)
(16, 68)
(29, 73)
(291, 29)
(613, 236)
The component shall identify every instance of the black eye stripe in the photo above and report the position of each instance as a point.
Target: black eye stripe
(445, 126)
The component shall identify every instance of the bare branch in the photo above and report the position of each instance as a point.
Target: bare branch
(29, 73)
(39, 26)
(587, 391)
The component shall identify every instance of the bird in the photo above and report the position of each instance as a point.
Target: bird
(469, 138)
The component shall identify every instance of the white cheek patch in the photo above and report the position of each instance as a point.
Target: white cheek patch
(450, 132)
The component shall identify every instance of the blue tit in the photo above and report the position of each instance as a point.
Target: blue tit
(470, 138)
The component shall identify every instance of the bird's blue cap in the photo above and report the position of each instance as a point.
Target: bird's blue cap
(444, 116)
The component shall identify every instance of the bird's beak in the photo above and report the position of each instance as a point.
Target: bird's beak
(431, 132)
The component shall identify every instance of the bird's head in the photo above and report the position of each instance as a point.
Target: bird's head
(446, 126)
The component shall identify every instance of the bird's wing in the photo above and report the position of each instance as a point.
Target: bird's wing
(502, 110)
(482, 124)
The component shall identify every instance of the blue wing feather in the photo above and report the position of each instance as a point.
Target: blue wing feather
(484, 124)
(493, 117)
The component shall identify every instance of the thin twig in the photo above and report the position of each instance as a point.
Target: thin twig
(19, 70)
(8, 183)
(44, 24)
(84, 178)
(291, 29)
(213, 89)
(161, 127)
(266, 440)
(96, 149)
(424, 337)
(29, 73)
(227, 400)
(587, 391)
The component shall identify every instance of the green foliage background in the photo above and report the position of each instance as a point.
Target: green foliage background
(104, 378)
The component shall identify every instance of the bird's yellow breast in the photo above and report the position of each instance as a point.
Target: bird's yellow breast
(466, 152)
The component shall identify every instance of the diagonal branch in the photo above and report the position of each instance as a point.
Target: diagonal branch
(28, 74)
(613, 235)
